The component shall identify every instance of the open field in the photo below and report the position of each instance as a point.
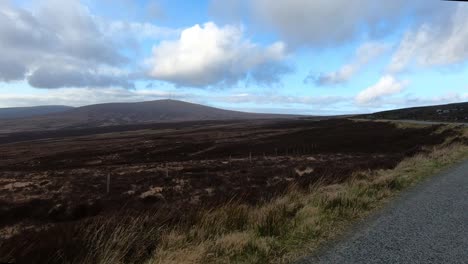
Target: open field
(53, 186)
(457, 113)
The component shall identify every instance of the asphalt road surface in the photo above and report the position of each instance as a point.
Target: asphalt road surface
(427, 224)
(428, 122)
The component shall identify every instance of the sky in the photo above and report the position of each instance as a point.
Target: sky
(316, 57)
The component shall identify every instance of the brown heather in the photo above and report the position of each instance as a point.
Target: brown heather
(279, 231)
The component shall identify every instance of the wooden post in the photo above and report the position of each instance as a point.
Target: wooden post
(276, 152)
(108, 184)
(250, 157)
(167, 171)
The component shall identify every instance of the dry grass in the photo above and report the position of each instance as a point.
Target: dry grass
(295, 224)
(279, 231)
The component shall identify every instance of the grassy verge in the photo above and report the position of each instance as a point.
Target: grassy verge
(279, 231)
(299, 222)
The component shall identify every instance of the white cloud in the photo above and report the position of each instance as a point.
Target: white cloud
(60, 43)
(211, 55)
(364, 55)
(409, 46)
(57, 31)
(59, 74)
(386, 86)
(327, 23)
(136, 30)
(86, 96)
(443, 42)
(277, 99)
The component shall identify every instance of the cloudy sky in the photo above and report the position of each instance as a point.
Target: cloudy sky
(286, 56)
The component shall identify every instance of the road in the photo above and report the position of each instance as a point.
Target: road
(427, 224)
(426, 122)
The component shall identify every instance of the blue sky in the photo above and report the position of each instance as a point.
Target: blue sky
(284, 56)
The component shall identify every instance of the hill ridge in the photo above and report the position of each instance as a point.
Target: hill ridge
(126, 113)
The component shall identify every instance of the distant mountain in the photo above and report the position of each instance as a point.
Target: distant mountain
(155, 111)
(112, 114)
(444, 113)
(21, 112)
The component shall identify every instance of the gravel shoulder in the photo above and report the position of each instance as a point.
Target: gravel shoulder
(427, 224)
